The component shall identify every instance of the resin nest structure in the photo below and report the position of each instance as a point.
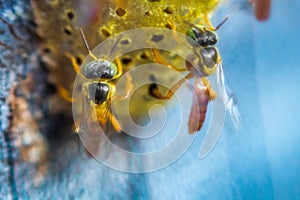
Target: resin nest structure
(58, 23)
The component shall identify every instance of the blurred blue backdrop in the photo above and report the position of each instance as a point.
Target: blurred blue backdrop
(260, 161)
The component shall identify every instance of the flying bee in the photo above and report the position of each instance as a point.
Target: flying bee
(98, 90)
(203, 62)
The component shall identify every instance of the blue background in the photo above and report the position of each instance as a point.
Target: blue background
(260, 161)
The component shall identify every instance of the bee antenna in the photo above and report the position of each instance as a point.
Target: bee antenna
(191, 24)
(116, 43)
(86, 45)
(222, 22)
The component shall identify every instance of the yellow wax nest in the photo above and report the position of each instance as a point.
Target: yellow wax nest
(154, 13)
(58, 21)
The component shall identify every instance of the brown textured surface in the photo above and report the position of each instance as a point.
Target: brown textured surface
(25, 129)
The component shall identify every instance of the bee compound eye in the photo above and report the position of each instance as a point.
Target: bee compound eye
(191, 36)
(89, 70)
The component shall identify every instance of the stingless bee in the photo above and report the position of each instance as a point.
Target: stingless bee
(204, 61)
(98, 89)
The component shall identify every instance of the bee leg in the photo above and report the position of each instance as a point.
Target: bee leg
(129, 86)
(158, 59)
(76, 126)
(155, 92)
(62, 92)
(76, 67)
(74, 63)
(211, 92)
(115, 123)
(119, 69)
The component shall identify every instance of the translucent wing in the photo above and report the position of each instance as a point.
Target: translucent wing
(110, 125)
(228, 97)
(95, 133)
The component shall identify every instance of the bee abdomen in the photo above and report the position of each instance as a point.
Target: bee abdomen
(198, 110)
(203, 109)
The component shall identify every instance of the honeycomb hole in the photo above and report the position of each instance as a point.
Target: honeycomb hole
(70, 14)
(125, 42)
(144, 56)
(105, 32)
(169, 26)
(157, 38)
(46, 50)
(169, 10)
(147, 13)
(126, 60)
(120, 12)
(67, 30)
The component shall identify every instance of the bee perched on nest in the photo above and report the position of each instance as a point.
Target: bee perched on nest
(62, 48)
(58, 22)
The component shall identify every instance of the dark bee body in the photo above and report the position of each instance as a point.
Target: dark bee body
(98, 92)
(201, 36)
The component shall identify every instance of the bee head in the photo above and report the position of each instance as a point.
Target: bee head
(99, 69)
(201, 36)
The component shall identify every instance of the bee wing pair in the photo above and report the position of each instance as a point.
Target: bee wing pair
(93, 134)
(228, 98)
